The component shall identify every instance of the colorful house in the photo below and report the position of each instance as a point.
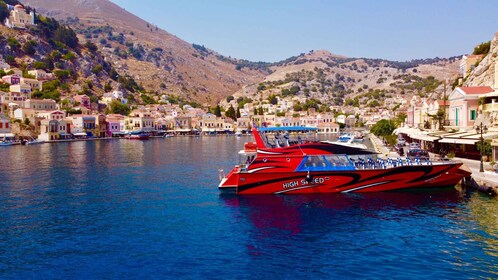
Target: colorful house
(49, 130)
(464, 104)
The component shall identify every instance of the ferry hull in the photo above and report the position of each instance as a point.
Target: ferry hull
(368, 180)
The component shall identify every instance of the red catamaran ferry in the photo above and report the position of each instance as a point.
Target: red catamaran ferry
(278, 163)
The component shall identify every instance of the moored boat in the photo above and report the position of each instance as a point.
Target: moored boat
(6, 143)
(290, 167)
(137, 135)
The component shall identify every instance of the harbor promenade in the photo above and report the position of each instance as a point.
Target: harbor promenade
(486, 181)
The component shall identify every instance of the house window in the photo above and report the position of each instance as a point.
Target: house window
(473, 115)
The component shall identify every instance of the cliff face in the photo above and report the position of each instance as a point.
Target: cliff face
(485, 73)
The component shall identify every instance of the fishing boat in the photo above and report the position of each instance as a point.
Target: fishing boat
(137, 135)
(297, 166)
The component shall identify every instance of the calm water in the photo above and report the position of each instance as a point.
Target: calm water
(131, 209)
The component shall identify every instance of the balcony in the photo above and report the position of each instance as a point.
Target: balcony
(490, 107)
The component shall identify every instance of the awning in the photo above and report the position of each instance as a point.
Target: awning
(2, 135)
(79, 134)
(458, 141)
(424, 137)
(64, 133)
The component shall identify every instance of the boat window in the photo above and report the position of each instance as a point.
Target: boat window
(325, 163)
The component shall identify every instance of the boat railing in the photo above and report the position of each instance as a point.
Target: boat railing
(360, 162)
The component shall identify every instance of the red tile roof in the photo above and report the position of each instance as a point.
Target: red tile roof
(476, 90)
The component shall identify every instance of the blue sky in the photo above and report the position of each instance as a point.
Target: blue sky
(272, 30)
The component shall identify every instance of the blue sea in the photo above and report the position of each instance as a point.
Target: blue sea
(124, 209)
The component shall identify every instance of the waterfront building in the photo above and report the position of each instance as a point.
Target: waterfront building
(49, 130)
(286, 122)
(64, 129)
(208, 123)
(82, 124)
(100, 126)
(139, 120)
(5, 128)
(115, 124)
(243, 124)
(463, 105)
(182, 124)
(328, 128)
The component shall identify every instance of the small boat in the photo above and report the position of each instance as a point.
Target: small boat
(137, 135)
(349, 140)
(310, 167)
(6, 143)
(35, 142)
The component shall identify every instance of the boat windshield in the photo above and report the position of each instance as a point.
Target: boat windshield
(276, 137)
(326, 163)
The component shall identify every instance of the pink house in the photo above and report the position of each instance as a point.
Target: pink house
(115, 124)
(464, 103)
(12, 79)
(83, 99)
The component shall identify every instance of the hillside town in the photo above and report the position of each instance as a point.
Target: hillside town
(78, 117)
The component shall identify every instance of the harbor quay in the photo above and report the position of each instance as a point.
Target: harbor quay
(486, 181)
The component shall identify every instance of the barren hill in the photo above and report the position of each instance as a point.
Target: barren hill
(159, 61)
(167, 65)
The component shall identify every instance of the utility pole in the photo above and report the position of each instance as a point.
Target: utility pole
(444, 105)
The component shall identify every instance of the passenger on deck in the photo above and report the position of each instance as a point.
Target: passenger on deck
(286, 137)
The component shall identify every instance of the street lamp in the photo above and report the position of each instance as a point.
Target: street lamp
(480, 126)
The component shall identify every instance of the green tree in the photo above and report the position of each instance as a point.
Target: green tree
(238, 112)
(116, 107)
(260, 111)
(13, 44)
(273, 99)
(217, 111)
(383, 128)
(66, 35)
(4, 11)
(400, 118)
(482, 48)
(230, 113)
(29, 47)
(485, 148)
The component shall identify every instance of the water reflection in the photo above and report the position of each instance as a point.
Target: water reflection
(484, 211)
(267, 212)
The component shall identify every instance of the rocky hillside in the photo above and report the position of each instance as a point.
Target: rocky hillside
(171, 68)
(326, 79)
(484, 73)
(55, 48)
(160, 62)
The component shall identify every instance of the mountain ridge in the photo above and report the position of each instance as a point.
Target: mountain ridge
(166, 65)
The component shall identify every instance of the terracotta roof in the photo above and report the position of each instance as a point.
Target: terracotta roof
(476, 90)
(442, 103)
